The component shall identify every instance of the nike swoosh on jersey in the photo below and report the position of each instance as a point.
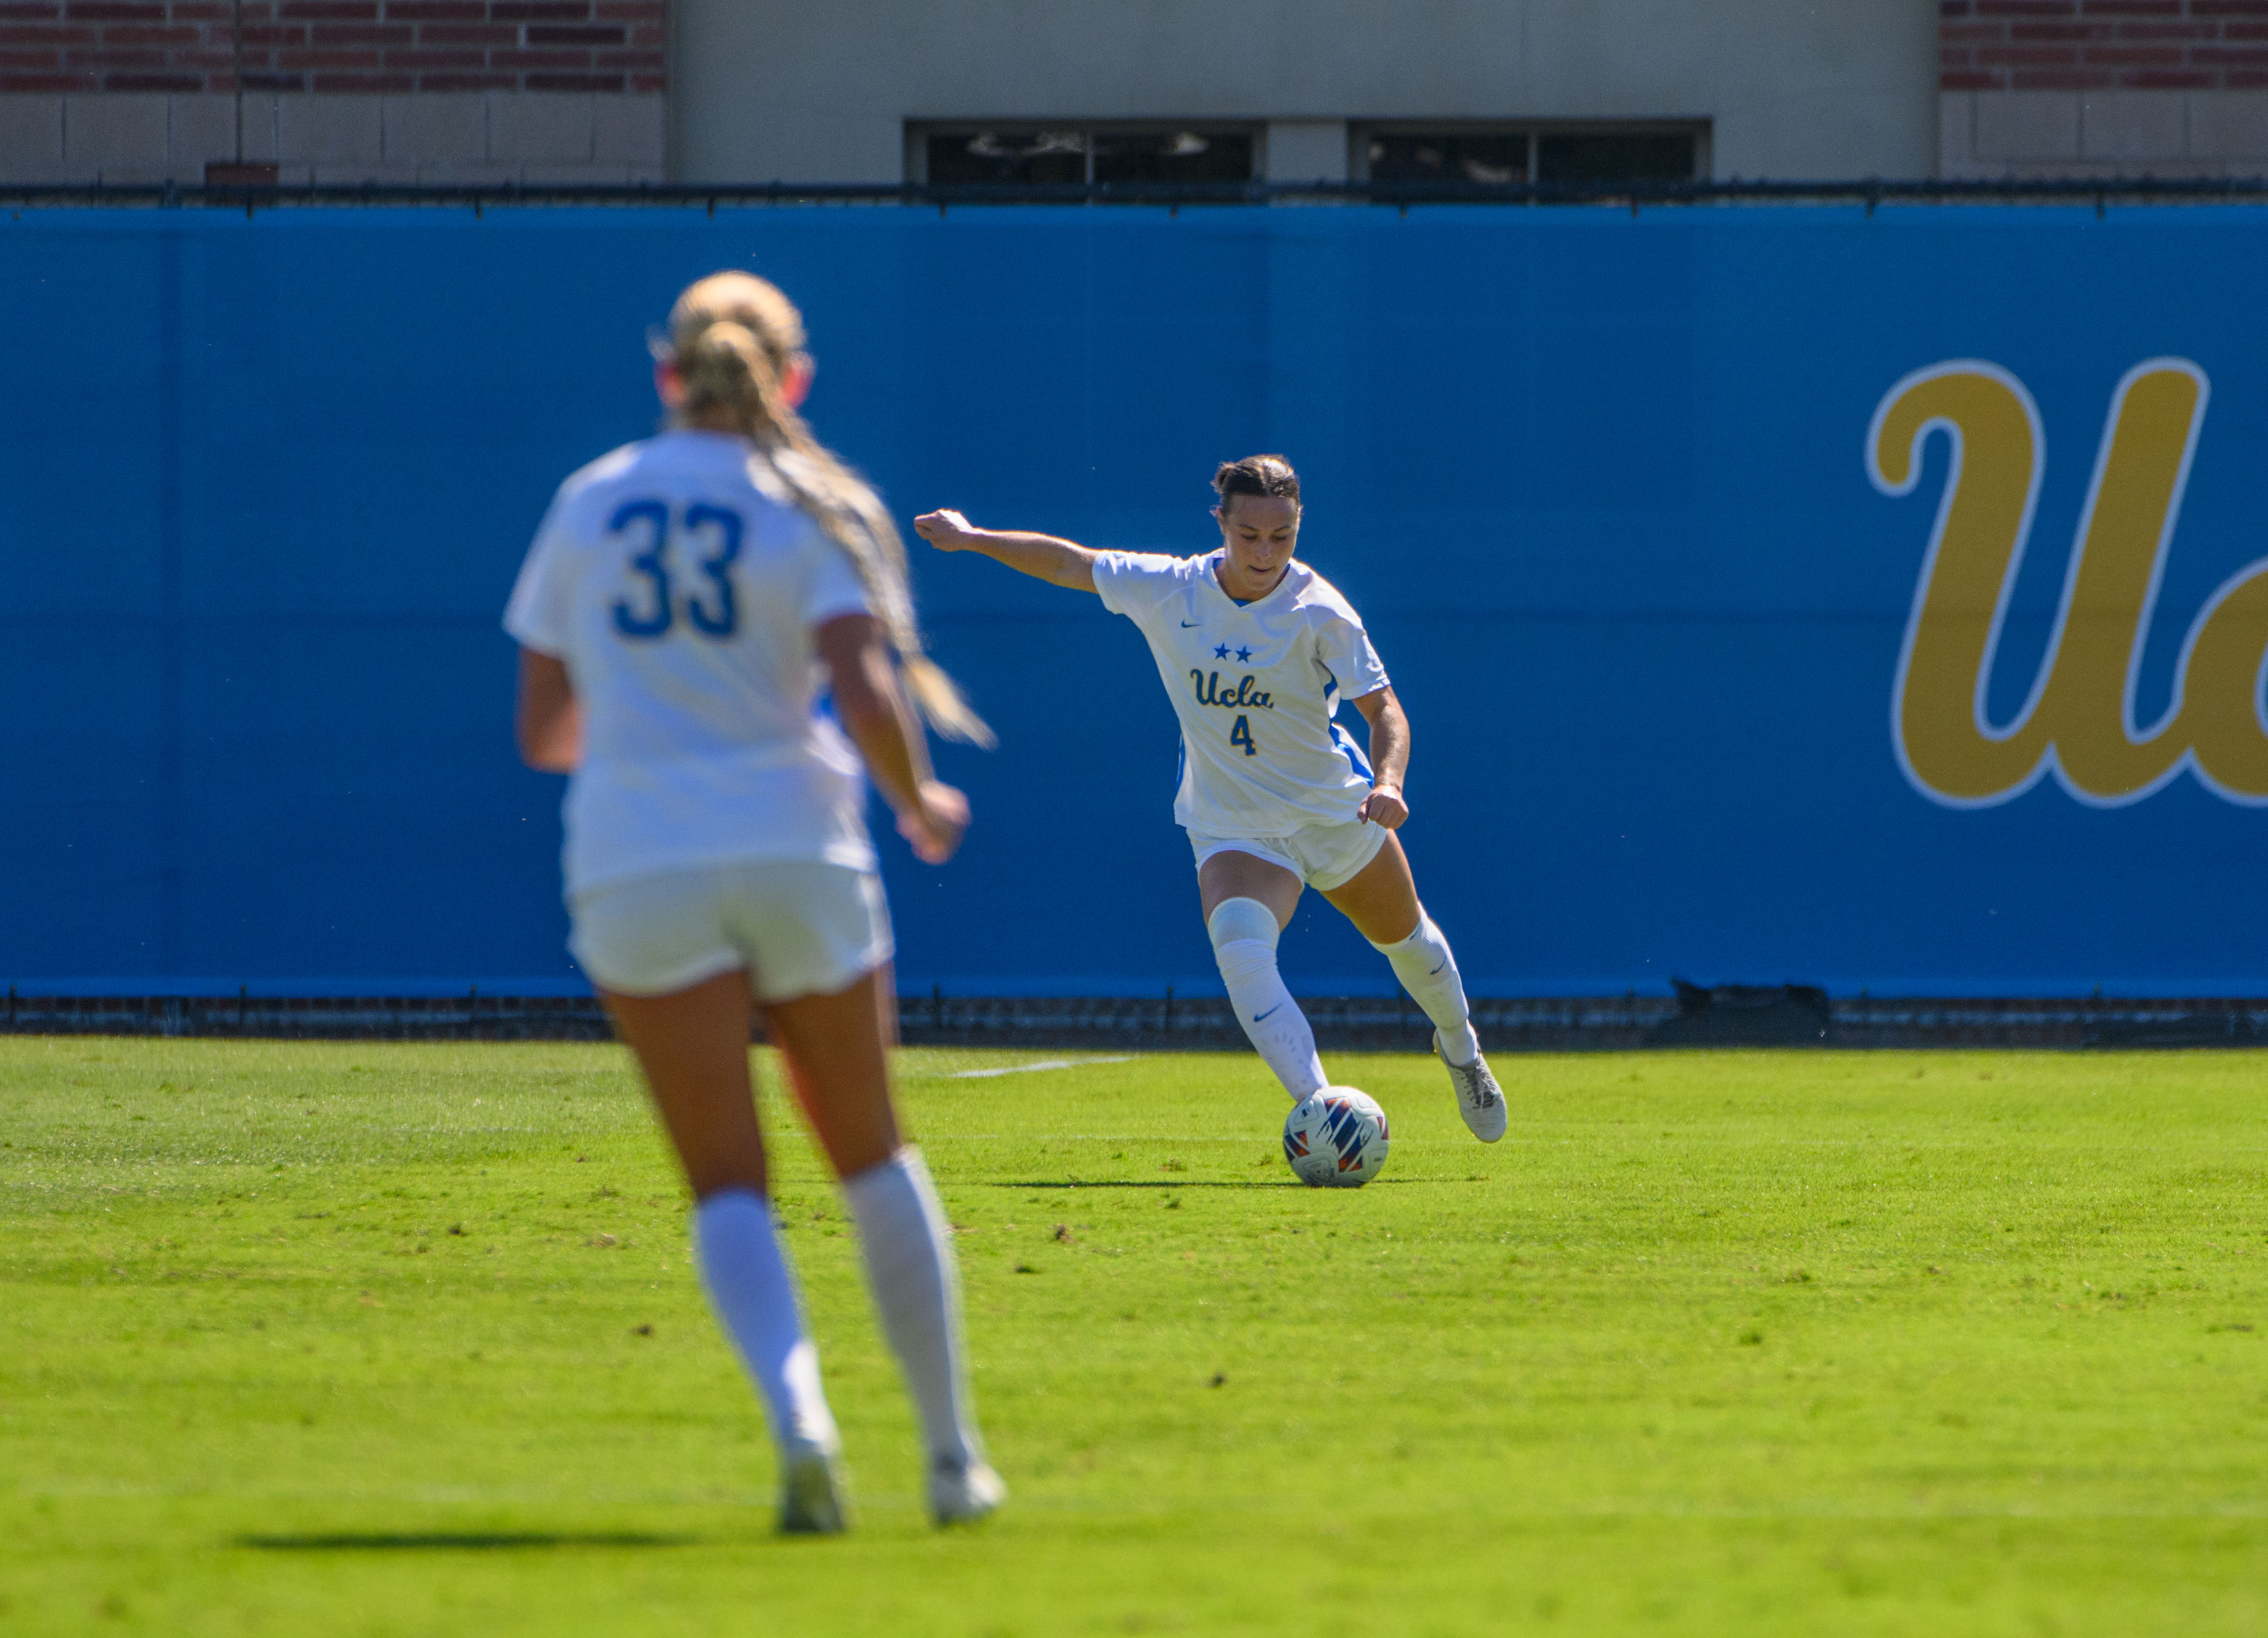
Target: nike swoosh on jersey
(1188, 623)
(1271, 1013)
(1444, 963)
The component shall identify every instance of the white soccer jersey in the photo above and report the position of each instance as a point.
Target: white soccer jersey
(680, 582)
(1256, 686)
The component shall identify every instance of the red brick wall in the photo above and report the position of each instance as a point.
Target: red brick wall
(2103, 45)
(332, 45)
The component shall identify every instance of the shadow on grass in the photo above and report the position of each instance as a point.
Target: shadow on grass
(1204, 1183)
(1144, 1183)
(456, 1541)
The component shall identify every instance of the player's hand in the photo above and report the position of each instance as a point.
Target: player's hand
(1384, 806)
(935, 828)
(945, 529)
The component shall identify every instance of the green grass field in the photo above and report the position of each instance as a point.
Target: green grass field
(357, 1339)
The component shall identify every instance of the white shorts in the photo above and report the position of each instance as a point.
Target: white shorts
(798, 927)
(1324, 856)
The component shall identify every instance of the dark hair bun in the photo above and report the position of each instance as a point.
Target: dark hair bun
(1256, 475)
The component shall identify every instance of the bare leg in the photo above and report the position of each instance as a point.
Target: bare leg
(1241, 875)
(694, 1048)
(885, 1004)
(1383, 903)
(1381, 900)
(832, 1048)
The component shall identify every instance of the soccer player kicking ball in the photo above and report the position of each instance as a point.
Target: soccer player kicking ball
(1254, 650)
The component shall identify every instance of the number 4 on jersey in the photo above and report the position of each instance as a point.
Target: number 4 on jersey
(1242, 734)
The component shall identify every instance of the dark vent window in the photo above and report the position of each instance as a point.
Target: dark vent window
(1498, 159)
(1008, 157)
(1177, 157)
(1614, 156)
(1040, 158)
(1451, 157)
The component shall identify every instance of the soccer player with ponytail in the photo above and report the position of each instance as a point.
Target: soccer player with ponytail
(683, 600)
(1256, 651)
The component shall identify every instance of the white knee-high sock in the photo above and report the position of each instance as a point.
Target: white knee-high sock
(1244, 934)
(1428, 973)
(917, 1286)
(752, 1291)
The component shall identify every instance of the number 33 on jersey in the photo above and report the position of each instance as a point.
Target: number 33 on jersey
(715, 615)
(680, 582)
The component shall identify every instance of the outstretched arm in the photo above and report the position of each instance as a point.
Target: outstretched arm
(1041, 556)
(1389, 759)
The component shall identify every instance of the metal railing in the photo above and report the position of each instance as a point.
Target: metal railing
(2099, 192)
(1167, 1023)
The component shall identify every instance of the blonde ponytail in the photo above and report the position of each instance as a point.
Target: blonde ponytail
(734, 337)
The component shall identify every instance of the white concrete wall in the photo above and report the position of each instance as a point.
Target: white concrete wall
(819, 90)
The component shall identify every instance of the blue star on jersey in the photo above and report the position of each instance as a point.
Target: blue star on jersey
(1221, 653)
(1243, 656)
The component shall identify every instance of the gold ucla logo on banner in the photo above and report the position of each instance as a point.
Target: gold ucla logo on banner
(2078, 720)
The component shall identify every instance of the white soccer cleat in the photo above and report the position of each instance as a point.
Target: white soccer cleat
(811, 1490)
(962, 1492)
(1479, 1099)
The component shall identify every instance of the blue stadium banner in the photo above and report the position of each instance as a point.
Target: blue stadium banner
(1777, 592)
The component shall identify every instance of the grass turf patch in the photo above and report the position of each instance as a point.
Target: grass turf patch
(367, 1337)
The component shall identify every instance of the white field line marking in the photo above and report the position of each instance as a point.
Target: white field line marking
(1033, 1069)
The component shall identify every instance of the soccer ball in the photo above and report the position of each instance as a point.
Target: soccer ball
(1337, 1139)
